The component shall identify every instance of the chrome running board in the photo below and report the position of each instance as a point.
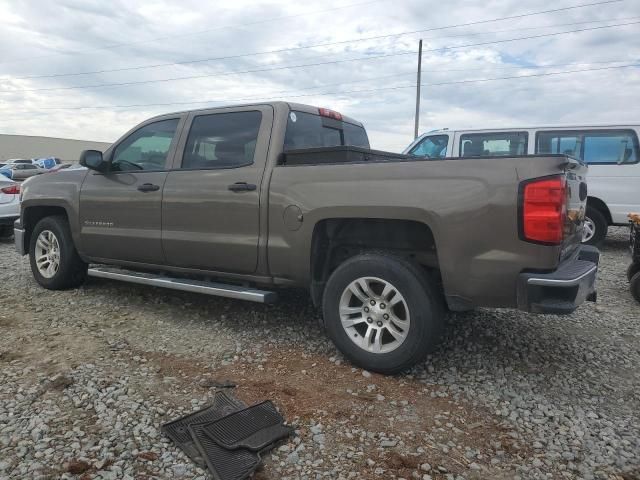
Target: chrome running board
(186, 285)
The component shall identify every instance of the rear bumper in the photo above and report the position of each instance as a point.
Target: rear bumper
(18, 235)
(563, 290)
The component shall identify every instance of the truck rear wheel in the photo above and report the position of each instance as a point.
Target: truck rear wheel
(55, 263)
(595, 227)
(382, 312)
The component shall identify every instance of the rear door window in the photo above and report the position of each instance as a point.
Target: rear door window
(306, 130)
(493, 144)
(434, 146)
(592, 146)
(222, 140)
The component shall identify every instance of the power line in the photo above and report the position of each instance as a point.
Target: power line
(412, 85)
(327, 44)
(257, 22)
(333, 62)
(362, 80)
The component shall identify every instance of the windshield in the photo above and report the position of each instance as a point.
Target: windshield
(306, 130)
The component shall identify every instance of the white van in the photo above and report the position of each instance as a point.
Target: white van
(611, 152)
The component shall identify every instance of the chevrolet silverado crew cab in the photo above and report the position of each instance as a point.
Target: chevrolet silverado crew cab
(241, 201)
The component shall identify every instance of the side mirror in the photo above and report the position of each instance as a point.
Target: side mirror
(92, 159)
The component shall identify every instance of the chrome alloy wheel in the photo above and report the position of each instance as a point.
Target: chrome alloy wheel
(47, 253)
(588, 229)
(374, 315)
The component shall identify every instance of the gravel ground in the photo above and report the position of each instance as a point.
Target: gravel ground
(87, 377)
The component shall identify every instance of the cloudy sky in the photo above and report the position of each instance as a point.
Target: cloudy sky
(136, 59)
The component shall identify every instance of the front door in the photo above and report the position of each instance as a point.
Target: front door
(211, 200)
(120, 211)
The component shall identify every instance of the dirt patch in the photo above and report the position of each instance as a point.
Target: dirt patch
(392, 411)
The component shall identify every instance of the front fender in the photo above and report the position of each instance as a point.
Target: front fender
(49, 193)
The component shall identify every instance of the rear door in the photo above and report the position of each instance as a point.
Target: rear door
(120, 211)
(211, 199)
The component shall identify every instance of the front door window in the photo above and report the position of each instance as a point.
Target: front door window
(434, 146)
(146, 148)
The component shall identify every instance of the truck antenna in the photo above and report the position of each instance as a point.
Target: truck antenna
(415, 133)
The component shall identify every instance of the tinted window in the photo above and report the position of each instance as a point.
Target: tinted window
(597, 146)
(222, 140)
(146, 148)
(355, 135)
(306, 130)
(493, 144)
(29, 167)
(434, 146)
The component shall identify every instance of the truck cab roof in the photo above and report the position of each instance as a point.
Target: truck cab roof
(299, 107)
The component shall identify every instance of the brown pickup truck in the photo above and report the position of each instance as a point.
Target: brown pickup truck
(241, 201)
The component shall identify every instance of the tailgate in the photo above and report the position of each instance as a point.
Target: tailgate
(576, 176)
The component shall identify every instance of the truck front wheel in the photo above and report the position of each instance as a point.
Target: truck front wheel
(382, 312)
(55, 263)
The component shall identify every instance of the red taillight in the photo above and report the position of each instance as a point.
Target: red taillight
(325, 112)
(12, 190)
(544, 208)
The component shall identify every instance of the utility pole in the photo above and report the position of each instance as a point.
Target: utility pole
(415, 135)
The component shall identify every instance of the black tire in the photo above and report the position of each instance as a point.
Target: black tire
(72, 271)
(601, 225)
(6, 231)
(635, 286)
(632, 270)
(424, 302)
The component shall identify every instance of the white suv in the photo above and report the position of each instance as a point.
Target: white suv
(9, 205)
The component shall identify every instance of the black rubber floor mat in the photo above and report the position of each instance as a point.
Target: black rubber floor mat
(178, 430)
(224, 464)
(255, 428)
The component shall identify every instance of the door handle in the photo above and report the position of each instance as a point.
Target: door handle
(242, 187)
(148, 187)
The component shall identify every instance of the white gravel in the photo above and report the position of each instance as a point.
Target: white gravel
(88, 376)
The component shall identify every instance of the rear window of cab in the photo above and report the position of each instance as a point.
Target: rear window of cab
(307, 130)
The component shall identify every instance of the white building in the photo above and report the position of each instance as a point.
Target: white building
(26, 146)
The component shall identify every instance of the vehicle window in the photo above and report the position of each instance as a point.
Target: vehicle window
(355, 135)
(222, 140)
(493, 144)
(146, 148)
(306, 130)
(29, 167)
(434, 146)
(592, 146)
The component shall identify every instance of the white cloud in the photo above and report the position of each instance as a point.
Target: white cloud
(35, 36)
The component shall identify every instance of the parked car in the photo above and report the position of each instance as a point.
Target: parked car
(48, 162)
(21, 171)
(611, 152)
(5, 170)
(9, 205)
(14, 161)
(288, 195)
